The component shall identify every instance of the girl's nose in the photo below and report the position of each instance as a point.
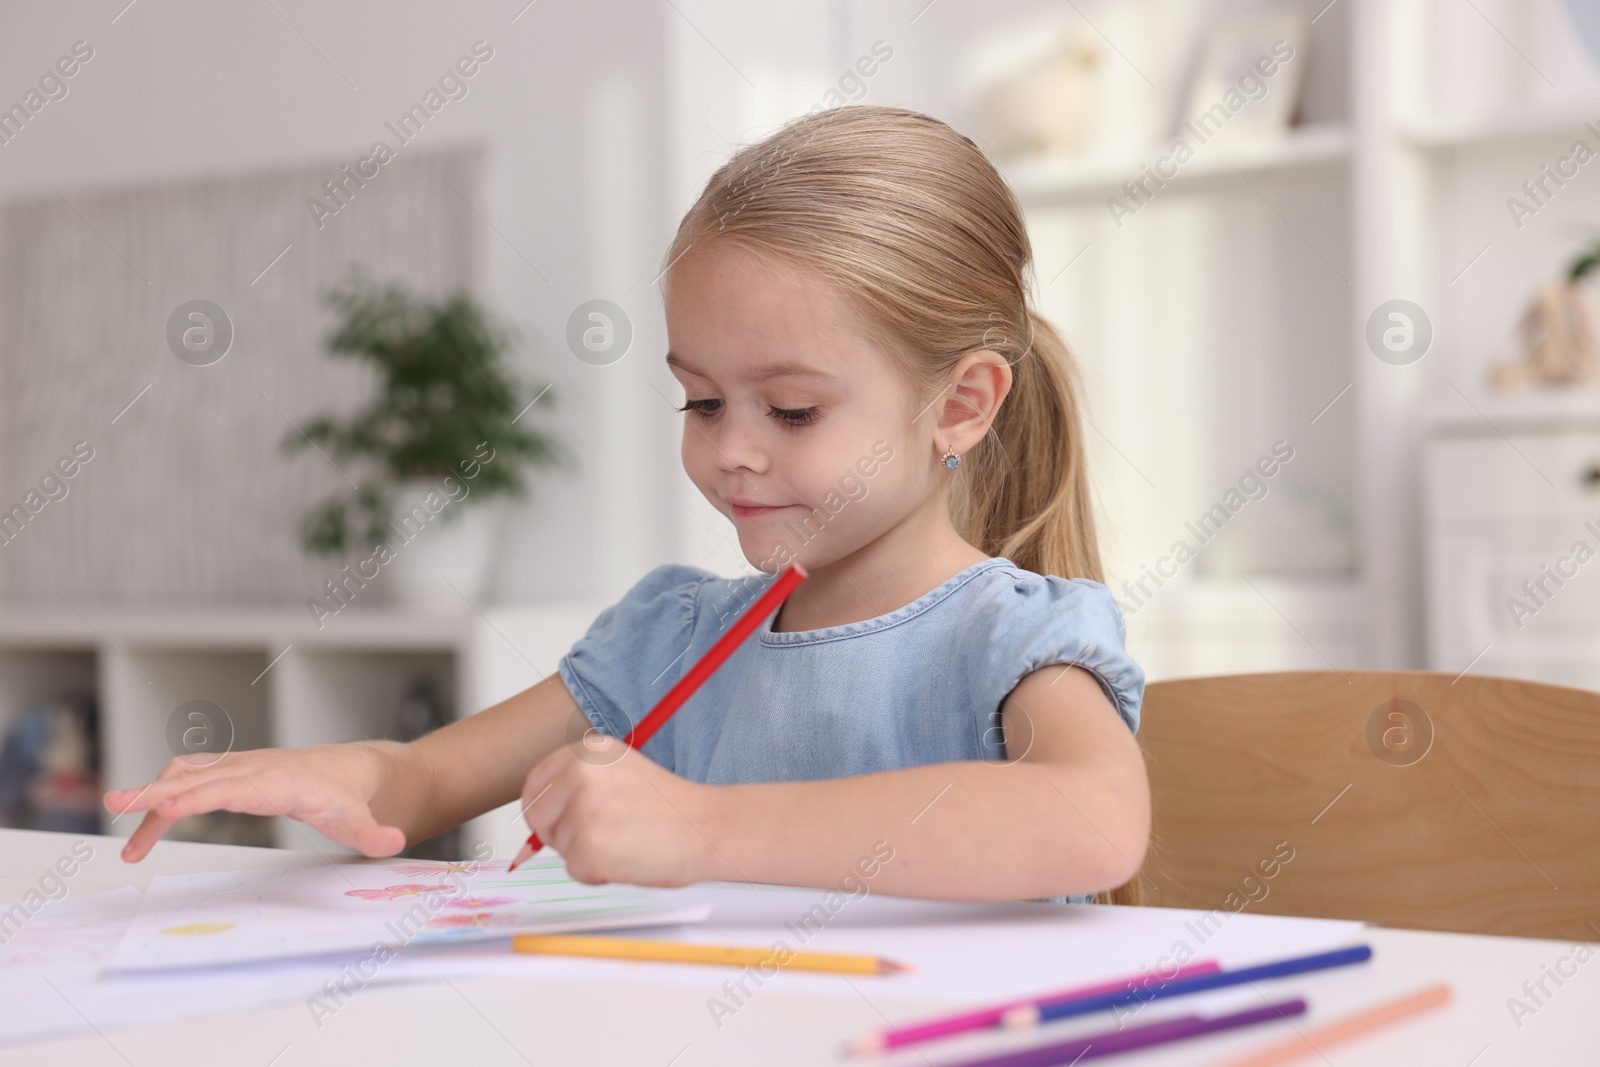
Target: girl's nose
(738, 446)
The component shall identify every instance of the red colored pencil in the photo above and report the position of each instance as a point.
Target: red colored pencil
(753, 616)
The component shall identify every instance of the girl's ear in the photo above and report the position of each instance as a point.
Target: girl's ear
(976, 387)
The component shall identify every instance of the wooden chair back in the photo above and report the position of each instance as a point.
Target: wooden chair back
(1405, 798)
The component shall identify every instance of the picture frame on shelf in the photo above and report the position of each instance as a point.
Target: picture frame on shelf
(1246, 88)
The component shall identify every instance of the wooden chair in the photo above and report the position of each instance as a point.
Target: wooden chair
(1405, 798)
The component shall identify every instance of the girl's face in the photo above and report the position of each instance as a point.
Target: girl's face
(798, 428)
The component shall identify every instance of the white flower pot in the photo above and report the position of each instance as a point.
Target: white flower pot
(438, 561)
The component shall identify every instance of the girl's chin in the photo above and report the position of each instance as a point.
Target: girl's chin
(768, 554)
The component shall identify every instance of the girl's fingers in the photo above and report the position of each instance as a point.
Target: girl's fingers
(358, 829)
(241, 793)
(545, 794)
(544, 772)
(176, 777)
(255, 794)
(147, 834)
(353, 826)
(252, 784)
(146, 798)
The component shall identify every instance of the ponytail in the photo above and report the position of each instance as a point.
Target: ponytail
(1037, 512)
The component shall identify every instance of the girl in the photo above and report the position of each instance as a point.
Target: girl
(945, 699)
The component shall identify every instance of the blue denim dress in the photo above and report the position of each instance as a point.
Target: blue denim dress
(922, 684)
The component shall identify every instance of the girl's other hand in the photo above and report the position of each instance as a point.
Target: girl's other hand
(328, 787)
(616, 816)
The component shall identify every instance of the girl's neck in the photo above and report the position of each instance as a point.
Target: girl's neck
(904, 564)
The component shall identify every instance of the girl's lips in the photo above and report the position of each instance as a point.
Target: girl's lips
(740, 511)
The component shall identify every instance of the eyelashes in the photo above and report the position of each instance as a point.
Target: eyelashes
(787, 416)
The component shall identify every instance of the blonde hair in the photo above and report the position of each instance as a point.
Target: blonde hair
(908, 220)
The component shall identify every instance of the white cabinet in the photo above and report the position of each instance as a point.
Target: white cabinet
(1513, 541)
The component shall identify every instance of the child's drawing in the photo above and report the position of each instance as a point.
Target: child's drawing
(394, 892)
(418, 870)
(239, 916)
(236, 916)
(479, 902)
(447, 922)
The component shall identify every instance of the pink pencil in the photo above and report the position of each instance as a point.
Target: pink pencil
(944, 1026)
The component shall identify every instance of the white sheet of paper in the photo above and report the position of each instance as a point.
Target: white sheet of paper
(74, 932)
(53, 983)
(275, 913)
(1002, 951)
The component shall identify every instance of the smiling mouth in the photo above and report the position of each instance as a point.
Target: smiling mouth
(741, 511)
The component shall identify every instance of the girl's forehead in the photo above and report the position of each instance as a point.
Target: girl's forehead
(765, 371)
(760, 290)
(748, 317)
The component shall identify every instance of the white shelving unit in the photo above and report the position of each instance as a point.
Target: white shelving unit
(1496, 130)
(279, 679)
(1505, 488)
(1396, 188)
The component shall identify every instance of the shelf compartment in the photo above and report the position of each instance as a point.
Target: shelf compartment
(1052, 180)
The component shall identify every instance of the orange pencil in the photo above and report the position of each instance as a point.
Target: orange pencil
(753, 616)
(1362, 1022)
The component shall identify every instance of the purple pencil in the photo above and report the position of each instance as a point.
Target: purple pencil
(1111, 1042)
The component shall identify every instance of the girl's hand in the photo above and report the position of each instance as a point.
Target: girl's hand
(328, 787)
(615, 816)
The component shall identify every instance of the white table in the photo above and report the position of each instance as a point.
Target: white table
(657, 1015)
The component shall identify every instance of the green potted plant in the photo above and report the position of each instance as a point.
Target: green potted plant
(446, 431)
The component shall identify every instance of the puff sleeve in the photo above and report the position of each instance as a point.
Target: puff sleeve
(1040, 619)
(633, 652)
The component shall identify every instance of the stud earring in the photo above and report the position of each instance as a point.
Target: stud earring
(951, 459)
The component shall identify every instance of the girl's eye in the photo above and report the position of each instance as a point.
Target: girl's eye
(787, 416)
(795, 416)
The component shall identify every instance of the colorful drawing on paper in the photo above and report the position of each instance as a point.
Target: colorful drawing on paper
(419, 870)
(339, 908)
(270, 913)
(479, 902)
(394, 892)
(446, 922)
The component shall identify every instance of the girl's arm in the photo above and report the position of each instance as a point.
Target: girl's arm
(479, 763)
(1070, 816)
(1069, 813)
(373, 796)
